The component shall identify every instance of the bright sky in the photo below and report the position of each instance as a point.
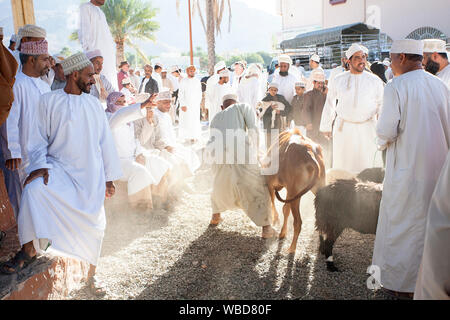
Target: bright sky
(266, 5)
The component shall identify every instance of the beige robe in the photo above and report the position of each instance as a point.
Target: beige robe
(237, 185)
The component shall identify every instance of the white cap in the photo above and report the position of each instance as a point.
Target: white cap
(93, 54)
(173, 69)
(273, 85)
(409, 46)
(126, 81)
(219, 65)
(76, 62)
(386, 62)
(434, 45)
(158, 64)
(365, 49)
(224, 73)
(354, 48)
(164, 94)
(31, 30)
(284, 58)
(253, 69)
(300, 84)
(315, 58)
(318, 75)
(229, 96)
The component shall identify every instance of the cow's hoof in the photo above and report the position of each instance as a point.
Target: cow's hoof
(331, 267)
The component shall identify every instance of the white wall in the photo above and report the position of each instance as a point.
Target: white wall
(298, 14)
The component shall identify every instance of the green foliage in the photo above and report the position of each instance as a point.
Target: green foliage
(131, 19)
(66, 52)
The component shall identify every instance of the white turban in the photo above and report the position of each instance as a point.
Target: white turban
(300, 84)
(93, 54)
(408, 46)
(219, 65)
(253, 69)
(354, 48)
(318, 75)
(76, 62)
(31, 30)
(315, 58)
(434, 45)
(284, 58)
(173, 69)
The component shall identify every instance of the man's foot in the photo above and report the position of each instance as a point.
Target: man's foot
(215, 220)
(268, 232)
(96, 287)
(20, 261)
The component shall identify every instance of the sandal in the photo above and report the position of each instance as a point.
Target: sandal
(2, 237)
(15, 263)
(96, 287)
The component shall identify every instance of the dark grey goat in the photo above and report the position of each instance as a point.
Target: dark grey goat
(353, 203)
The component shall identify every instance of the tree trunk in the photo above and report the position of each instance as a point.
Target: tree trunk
(210, 35)
(120, 52)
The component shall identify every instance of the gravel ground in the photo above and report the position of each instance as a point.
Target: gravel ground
(173, 254)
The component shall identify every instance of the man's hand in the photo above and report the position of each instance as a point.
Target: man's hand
(184, 108)
(36, 174)
(327, 135)
(110, 189)
(149, 102)
(140, 159)
(13, 164)
(169, 149)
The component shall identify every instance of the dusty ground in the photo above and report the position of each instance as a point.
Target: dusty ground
(173, 254)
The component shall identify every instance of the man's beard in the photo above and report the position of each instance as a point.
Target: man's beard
(432, 67)
(284, 73)
(84, 87)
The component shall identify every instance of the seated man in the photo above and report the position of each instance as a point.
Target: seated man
(132, 160)
(102, 87)
(238, 184)
(129, 91)
(185, 160)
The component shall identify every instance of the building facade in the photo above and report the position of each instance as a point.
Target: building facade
(397, 18)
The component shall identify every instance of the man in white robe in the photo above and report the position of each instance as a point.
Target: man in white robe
(359, 95)
(210, 84)
(314, 64)
(338, 70)
(21, 125)
(94, 34)
(128, 91)
(73, 151)
(218, 90)
(435, 59)
(102, 87)
(237, 75)
(28, 32)
(285, 78)
(132, 160)
(190, 96)
(184, 160)
(415, 126)
(238, 183)
(433, 281)
(249, 90)
(157, 74)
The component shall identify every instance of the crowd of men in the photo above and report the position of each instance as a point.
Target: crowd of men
(72, 120)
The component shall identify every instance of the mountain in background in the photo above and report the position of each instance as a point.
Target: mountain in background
(251, 29)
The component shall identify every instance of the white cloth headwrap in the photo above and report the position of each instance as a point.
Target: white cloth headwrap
(93, 54)
(76, 62)
(315, 58)
(354, 48)
(284, 58)
(318, 75)
(273, 85)
(31, 30)
(434, 45)
(224, 73)
(409, 46)
(219, 65)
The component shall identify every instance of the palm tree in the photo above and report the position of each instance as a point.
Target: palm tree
(214, 10)
(130, 19)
